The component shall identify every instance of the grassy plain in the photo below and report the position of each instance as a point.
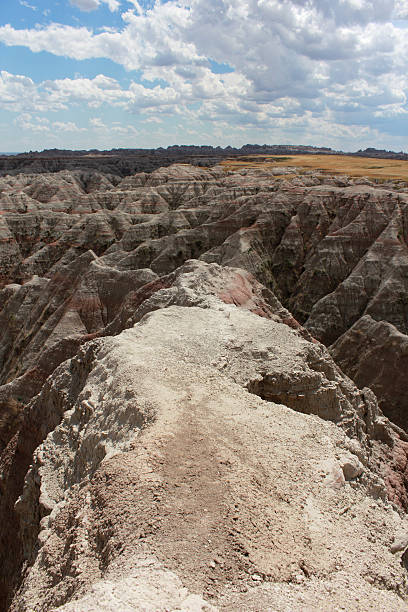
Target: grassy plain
(331, 164)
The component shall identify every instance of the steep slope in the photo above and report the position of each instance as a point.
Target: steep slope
(166, 482)
(375, 353)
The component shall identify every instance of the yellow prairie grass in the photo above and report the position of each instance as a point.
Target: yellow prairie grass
(375, 168)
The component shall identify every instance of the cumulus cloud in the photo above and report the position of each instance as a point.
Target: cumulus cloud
(66, 126)
(116, 127)
(27, 122)
(20, 93)
(151, 39)
(401, 9)
(91, 5)
(293, 61)
(38, 124)
(96, 122)
(85, 5)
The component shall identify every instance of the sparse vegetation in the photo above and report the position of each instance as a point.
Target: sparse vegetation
(334, 164)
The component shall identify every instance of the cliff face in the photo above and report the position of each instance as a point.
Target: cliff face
(172, 437)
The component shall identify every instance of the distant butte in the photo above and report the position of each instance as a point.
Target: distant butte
(124, 162)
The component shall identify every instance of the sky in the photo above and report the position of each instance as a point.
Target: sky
(82, 74)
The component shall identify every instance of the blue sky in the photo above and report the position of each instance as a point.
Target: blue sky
(121, 73)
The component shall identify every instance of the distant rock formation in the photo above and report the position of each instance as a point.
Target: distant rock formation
(125, 162)
(173, 434)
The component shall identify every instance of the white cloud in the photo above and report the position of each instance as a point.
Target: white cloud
(96, 122)
(294, 62)
(66, 126)
(112, 4)
(36, 123)
(154, 120)
(401, 9)
(85, 5)
(92, 5)
(27, 5)
(20, 93)
(42, 125)
(27, 122)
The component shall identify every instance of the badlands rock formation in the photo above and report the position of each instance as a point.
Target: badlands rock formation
(123, 162)
(174, 436)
